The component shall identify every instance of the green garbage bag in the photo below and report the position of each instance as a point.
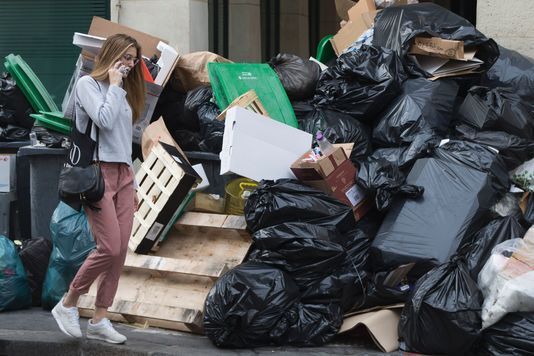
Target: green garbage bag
(72, 242)
(230, 80)
(15, 290)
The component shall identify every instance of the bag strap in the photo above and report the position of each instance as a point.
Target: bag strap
(89, 126)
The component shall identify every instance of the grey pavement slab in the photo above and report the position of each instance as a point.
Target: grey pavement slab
(34, 332)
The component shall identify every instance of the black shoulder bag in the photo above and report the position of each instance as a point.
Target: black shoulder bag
(80, 180)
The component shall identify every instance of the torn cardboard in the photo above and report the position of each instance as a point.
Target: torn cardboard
(382, 326)
(361, 17)
(154, 133)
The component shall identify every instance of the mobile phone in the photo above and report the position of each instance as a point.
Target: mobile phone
(124, 70)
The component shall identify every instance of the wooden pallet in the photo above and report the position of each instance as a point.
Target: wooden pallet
(167, 289)
(249, 101)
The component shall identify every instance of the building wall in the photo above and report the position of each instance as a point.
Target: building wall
(510, 23)
(244, 31)
(184, 23)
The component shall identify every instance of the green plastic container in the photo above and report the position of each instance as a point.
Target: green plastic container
(325, 51)
(53, 121)
(230, 80)
(29, 84)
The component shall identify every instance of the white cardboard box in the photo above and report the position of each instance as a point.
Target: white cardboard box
(258, 147)
(7, 173)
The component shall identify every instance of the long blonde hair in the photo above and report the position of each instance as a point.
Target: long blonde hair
(112, 50)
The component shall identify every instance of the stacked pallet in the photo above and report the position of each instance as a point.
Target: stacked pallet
(167, 288)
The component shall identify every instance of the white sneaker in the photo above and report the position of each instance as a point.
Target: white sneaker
(103, 330)
(67, 319)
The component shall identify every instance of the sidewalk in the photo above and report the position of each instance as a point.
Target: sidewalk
(34, 332)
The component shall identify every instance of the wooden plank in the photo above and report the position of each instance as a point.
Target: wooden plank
(174, 265)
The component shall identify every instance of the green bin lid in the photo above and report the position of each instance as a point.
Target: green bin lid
(230, 80)
(53, 123)
(29, 84)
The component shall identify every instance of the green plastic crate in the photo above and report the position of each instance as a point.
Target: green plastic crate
(325, 52)
(53, 121)
(230, 80)
(29, 84)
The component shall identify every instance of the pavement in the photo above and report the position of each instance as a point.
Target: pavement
(33, 332)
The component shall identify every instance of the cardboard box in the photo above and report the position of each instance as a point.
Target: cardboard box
(7, 173)
(381, 325)
(336, 175)
(361, 18)
(257, 147)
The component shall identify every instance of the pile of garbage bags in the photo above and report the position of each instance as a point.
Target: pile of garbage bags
(436, 157)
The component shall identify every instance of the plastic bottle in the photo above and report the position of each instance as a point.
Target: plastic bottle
(325, 145)
(33, 138)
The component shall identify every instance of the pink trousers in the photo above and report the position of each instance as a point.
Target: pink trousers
(111, 227)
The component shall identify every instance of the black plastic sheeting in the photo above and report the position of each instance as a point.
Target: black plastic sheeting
(298, 76)
(423, 106)
(529, 213)
(396, 27)
(442, 315)
(338, 127)
(35, 255)
(513, 70)
(12, 133)
(483, 241)
(479, 157)
(384, 180)
(361, 83)
(14, 107)
(512, 335)
(500, 109)
(427, 231)
(513, 149)
(287, 200)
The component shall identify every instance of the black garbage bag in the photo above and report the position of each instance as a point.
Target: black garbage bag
(384, 180)
(513, 70)
(12, 133)
(480, 157)
(361, 83)
(245, 306)
(201, 102)
(404, 156)
(427, 231)
(287, 200)
(171, 106)
(50, 138)
(379, 294)
(308, 324)
(35, 255)
(423, 106)
(529, 213)
(14, 107)
(500, 109)
(14, 288)
(396, 28)
(338, 127)
(298, 76)
(442, 315)
(305, 251)
(187, 140)
(482, 242)
(513, 149)
(513, 335)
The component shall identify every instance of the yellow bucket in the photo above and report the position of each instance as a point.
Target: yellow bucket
(237, 192)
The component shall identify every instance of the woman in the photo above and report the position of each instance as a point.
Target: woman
(112, 97)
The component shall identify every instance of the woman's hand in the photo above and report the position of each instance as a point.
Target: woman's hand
(115, 75)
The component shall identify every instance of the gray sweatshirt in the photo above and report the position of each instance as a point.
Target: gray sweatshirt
(106, 105)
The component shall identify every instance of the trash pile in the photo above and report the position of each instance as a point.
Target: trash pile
(396, 177)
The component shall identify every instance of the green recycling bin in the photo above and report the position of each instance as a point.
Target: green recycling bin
(230, 80)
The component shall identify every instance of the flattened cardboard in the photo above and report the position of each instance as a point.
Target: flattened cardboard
(438, 47)
(103, 28)
(382, 326)
(157, 132)
(361, 17)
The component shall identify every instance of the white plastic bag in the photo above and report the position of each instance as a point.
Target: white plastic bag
(506, 282)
